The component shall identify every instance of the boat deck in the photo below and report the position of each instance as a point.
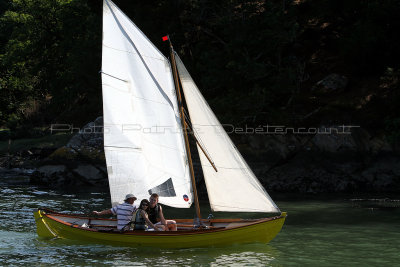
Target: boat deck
(110, 225)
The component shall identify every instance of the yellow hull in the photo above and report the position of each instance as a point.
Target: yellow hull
(261, 230)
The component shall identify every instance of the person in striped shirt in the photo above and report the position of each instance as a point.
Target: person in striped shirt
(123, 211)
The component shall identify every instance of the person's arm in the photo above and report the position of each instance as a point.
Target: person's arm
(104, 212)
(162, 219)
(146, 218)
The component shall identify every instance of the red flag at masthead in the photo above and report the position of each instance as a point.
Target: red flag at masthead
(165, 38)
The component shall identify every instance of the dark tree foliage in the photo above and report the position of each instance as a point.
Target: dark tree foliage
(50, 57)
(363, 32)
(238, 51)
(248, 57)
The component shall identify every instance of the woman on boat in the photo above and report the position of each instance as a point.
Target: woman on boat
(141, 220)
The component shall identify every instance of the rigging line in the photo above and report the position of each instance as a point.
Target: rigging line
(205, 153)
(196, 135)
(204, 150)
(141, 57)
(187, 116)
(191, 124)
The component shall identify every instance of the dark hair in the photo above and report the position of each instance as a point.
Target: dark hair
(144, 201)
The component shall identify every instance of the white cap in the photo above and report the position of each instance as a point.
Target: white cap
(130, 196)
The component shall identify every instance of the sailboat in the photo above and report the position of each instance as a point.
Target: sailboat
(147, 151)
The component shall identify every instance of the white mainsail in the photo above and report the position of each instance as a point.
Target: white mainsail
(234, 187)
(143, 140)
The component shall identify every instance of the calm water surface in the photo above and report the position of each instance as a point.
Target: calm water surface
(333, 231)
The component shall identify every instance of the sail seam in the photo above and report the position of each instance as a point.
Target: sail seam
(225, 168)
(134, 53)
(154, 101)
(138, 148)
(125, 147)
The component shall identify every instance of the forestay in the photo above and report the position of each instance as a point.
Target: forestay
(143, 141)
(234, 187)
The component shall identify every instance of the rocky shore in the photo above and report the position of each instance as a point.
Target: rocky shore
(330, 159)
(80, 162)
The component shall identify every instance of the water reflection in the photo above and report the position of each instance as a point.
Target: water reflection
(254, 255)
(22, 250)
(58, 252)
(317, 233)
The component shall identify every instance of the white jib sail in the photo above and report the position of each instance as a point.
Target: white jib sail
(143, 140)
(234, 187)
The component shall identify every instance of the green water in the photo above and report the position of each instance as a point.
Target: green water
(320, 231)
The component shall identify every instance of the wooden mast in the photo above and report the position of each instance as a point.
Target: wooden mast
(184, 127)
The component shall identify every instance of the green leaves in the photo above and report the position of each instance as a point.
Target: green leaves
(47, 55)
